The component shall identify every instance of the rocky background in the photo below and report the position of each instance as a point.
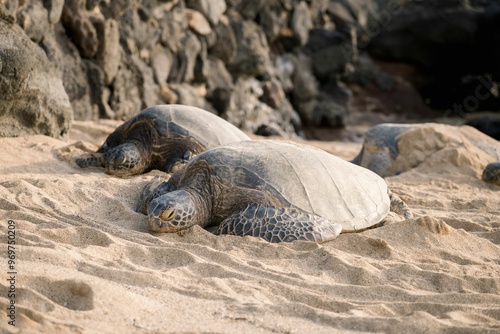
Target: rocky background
(271, 67)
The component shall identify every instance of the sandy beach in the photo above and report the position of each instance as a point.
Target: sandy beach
(85, 261)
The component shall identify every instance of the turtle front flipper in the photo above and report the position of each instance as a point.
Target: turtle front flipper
(91, 160)
(276, 224)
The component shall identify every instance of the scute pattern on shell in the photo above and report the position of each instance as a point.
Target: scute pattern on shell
(303, 177)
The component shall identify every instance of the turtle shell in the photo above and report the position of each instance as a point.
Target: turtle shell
(173, 121)
(304, 177)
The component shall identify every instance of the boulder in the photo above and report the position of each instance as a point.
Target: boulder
(33, 97)
(248, 111)
(252, 56)
(125, 99)
(172, 23)
(224, 46)
(66, 58)
(301, 22)
(33, 17)
(100, 93)
(431, 35)
(332, 107)
(108, 52)
(76, 20)
(190, 96)
(250, 9)
(197, 22)
(162, 60)
(211, 9)
(8, 10)
(55, 8)
(367, 72)
(274, 21)
(217, 75)
(185, 61)
(330, 51)
(305, 88)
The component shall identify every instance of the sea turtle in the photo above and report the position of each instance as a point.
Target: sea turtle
(491, 173)
(380, 148)
(275, 190)
(390, 149)
(161, 137)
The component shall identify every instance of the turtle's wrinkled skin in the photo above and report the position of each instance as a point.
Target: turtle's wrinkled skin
(274, 190)
(162, 137)
(491, 173)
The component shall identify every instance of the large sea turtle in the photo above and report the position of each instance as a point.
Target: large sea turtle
(275, 190)
(161, 137)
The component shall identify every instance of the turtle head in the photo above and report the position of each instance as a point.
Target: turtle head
(173, 212)
(125, 160)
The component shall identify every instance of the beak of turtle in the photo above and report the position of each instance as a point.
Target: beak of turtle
(161, 222)
(167, 214)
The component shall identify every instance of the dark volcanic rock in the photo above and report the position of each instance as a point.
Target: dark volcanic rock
(225, 46)
(76, 20)
(125, 99)
(211, 9)
(252, 57)
(453, 44)
(263, 63)
(33, 98)
(330, 51)
(34, 19)
(248, 111)
(66, 58)
(487, 125)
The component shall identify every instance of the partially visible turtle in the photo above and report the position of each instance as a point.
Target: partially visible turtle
(391, 149)
(275, 190)
(380, 148)
(491, 173)
(161, 137)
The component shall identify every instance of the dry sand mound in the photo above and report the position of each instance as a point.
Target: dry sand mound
(86, 262)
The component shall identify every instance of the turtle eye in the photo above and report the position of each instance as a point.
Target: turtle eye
(187, 155)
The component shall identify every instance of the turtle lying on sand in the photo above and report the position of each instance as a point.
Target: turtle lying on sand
(275, 190)
(380, 148)
(391, 149)
(161, 137)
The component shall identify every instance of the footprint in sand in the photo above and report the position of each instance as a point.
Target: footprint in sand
(72, 294)
(78, 236)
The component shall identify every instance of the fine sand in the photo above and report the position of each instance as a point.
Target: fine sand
(86, 262)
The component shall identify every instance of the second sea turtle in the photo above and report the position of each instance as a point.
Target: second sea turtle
(161, 137)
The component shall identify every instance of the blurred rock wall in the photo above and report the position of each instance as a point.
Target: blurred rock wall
(269, 67)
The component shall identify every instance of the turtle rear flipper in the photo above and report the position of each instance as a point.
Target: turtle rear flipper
(91, 160)
(279, 224)
(399, 207)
